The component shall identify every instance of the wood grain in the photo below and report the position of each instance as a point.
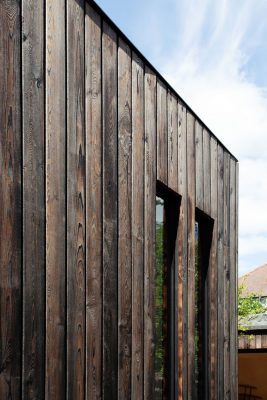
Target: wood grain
(182, 254)
(110, 213)
(199, 165)
(172, 142)
(226, 244)
(10, 200)
(93, 205)
(162, 133)
(137, 227)
(213, 276)
(88, 132)
(149, 227)
(33, 365)
(55, 384)
(233, 310)
(191, 249)
(124, 220)
(206, 173)
(220, 272)
(75, 201)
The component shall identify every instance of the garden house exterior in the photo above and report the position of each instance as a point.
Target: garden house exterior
(118, 220)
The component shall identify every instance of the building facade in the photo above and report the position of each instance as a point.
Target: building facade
(118, 220)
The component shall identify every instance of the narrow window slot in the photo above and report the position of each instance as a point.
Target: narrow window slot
(166, 296)
(203, 239)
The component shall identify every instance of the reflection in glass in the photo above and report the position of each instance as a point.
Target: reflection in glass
(159, 311)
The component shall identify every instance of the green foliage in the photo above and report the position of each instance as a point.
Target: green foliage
(159, 284)
(248, 304)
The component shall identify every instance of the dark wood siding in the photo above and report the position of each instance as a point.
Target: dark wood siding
(33, 200)
(11, 208)
(55, 113)
(87, 130)
(93, 128)
(138, 147)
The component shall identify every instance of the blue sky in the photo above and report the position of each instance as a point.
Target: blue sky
(214, 53)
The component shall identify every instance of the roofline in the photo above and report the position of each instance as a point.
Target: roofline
(102, 13)
(255, 328)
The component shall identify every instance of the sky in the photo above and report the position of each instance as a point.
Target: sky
(214, 54)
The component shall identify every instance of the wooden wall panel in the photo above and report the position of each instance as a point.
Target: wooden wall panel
(233, 281)
(206, 173)
(162, 133)
(149, 230)
(55, 383)
(75, 201)
(250, 342)
(33, 362)
(110, 212)
(226, 245)
(199, 165)
(137, 227)
(172, 142)
(10, 200)
(182, 255)
(125, 219)
(191, 204)
(220, 274)
(99, 127)
(93, 205)
(213, 292)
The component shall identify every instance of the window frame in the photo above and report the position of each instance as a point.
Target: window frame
(171, 213)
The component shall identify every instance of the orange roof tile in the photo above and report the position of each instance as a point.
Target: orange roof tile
(255, 281)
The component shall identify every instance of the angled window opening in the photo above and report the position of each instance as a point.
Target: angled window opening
(203, 242)
(166, 310)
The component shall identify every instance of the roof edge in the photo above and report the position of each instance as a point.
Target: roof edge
(102, 13)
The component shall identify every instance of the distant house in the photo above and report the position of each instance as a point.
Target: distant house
(252, 347)
(255, 281)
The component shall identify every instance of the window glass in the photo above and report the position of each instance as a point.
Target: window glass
(159, 309)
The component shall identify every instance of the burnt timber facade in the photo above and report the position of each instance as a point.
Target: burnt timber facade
(88, 131)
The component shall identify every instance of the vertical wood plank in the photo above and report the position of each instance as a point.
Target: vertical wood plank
(263, 339)
(199, 166)
(236, 263)
(220, 272)
(137, 227)
(10, 200)
(33, 361)
(125, 219)
(226, 241)
(257, 341)
(191, 250)
(110, 213)
(55, 201)
(162, 133)
(182, 255)
(213, 293)
(172, 142)
(233, 281)
(75, 201)
(206, 172)
(149, 226)
(93, 205)
(241, 343)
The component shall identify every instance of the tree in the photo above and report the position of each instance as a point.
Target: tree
(248, 304)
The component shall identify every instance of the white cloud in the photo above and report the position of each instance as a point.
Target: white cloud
(205, 49)
(208, 69)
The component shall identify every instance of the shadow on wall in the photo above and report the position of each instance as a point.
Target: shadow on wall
(252, 376)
